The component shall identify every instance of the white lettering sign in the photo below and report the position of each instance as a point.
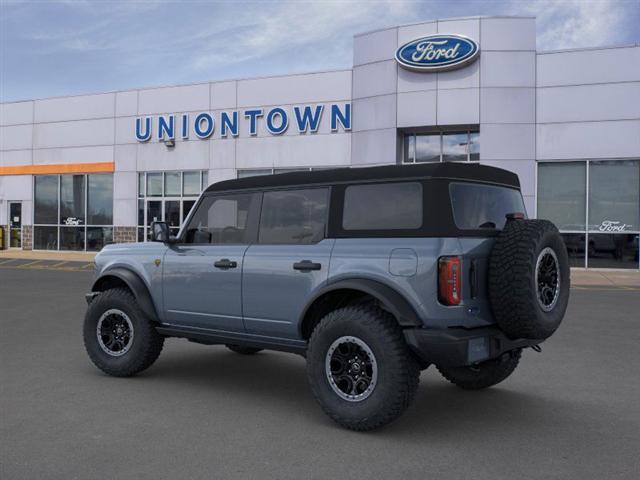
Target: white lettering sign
(613, 227)
(427, 51)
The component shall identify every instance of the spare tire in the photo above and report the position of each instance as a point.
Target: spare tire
(529, 279)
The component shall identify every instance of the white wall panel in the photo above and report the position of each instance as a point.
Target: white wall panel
(295, 89)
(374, 113)
(374, 147)
(75, 108)
(187, 98)
(417, 108)
(126, 130)
(319, 150)
(375, 79)
(525, 169)
(507, 142)
(508, 105)
(610, 101)
(467, 27)
(412, 32)
(458, 106)
(16, 113)
(508, 34)
(15, 157)
(125, 157)
(375, 46)
(416, 81)
(70, 134)
(184, 156)
(16, 137)
(125, 185)
(589, 140)
(467, 77)
(223, 95)
(127, 103)
(219, 174)
(17, 187)
(125, 212)
(529, 205)
(73, 155)
(507, 69)
(222, 153)
(589, 66)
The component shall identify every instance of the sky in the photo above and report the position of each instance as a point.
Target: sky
(66, 47)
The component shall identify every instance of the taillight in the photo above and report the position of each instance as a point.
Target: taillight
(449, 280)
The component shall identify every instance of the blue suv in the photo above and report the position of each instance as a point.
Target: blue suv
(371, 273)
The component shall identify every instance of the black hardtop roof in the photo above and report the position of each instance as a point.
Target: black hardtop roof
(450, 170)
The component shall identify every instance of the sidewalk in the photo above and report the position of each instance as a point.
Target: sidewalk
(579, 276)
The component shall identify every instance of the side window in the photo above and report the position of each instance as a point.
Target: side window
(222, 219)
(294, 216)
(383, 206)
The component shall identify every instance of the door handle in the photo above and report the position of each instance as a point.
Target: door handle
(306, 265)
(225, 263)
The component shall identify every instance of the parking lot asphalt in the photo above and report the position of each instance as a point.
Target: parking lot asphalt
(572, 411)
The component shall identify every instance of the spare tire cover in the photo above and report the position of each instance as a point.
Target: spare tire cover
(529, 279)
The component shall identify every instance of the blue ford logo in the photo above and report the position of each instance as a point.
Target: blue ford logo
(436, 53)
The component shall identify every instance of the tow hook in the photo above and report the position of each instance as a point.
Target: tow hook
(536, 348)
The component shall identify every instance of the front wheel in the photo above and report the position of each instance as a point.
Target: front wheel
(361, 372)
(119, 338)
(485, 374)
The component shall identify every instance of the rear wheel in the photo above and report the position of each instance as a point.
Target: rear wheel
(243, 350)
(118, 337)
(483, 375)
(361, 372)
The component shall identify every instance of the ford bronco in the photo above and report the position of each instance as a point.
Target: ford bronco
(370, 273)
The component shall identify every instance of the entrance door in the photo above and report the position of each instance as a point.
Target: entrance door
(15, 225)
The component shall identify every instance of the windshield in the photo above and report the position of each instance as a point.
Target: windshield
(476, 206)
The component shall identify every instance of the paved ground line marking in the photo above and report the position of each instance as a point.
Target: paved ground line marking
(57, 264)
(24, 265)
(9, 260)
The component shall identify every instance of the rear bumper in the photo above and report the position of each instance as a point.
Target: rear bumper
(455, 347)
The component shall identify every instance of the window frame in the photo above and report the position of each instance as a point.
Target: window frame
(327, 214)
(440, 134)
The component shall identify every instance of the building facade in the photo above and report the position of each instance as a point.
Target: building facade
(78, 172)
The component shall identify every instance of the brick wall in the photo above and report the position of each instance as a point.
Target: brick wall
(27, 237)
(125, 234)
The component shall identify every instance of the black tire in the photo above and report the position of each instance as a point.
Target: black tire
(521, 249)
(485, 374)
(242, 350)
(397, 370)
(145, 345)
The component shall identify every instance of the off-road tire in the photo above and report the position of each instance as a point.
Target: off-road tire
(398, 370)
(242, 350)
(512, 279)
(146, 344)
(485, 374)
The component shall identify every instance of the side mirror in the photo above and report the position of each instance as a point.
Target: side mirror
(160, 232)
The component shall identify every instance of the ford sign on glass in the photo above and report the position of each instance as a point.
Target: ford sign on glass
(436, 53)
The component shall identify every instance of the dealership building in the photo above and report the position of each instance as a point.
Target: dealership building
(81, 171)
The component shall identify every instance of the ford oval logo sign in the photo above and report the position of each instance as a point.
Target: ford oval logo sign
(437, 53)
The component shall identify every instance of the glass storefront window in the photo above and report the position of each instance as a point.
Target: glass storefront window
(98, 237)
(100, 195)
(191, 182)
(172, 184)
(141, 189)
(72, 198)
(474, 147)
(575, 243)
(614, 196)
(428, 148)
(154, 184)
(455, 147)
(71, 238)
(562, 194)
(46, 199)
(612, 250)
(45, 238)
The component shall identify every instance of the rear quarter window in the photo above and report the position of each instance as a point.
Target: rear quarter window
(383, 206)
(476, 206)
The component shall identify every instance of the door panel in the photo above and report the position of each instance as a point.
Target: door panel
(274, 293)
(15, 225)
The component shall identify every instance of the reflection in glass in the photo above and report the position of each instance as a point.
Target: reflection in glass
(72, 195)
(474, 146)
(454, 147)
(154, 211)
(141, 184)
(187, 205)
(71, 238)
(45, 238)
(154, 184)
(191, 182)
(98, 237)
(612, 250)
(172, 215)
(140, 212)
(100, 204)
(253, 172)
(428, 148)
(614, 196)
(46, 199)
(562, 194)
(575, 243)
(409, 148)
(205, 179)
(172, 184)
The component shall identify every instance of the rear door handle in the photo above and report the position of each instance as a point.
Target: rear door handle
(306, 265)
(225, 263)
